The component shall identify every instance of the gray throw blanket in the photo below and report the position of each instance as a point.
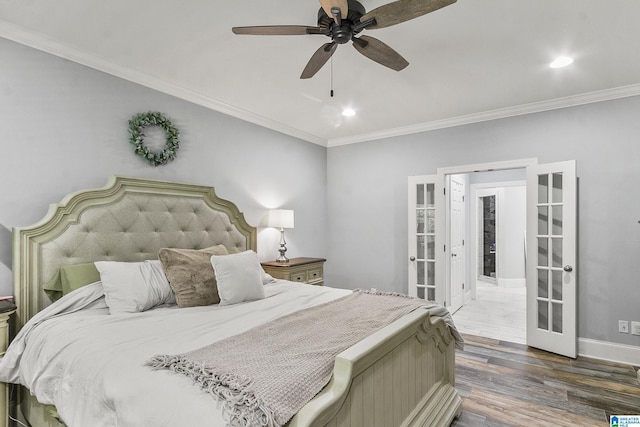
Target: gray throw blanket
(265, 375)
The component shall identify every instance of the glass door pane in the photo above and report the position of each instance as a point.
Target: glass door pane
(550, 252)
(425, 241)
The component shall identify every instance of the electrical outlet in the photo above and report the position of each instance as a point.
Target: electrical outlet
(635, 328)
(623, 326)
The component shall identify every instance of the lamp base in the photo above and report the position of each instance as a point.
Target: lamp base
(282, 257)
(283, 248)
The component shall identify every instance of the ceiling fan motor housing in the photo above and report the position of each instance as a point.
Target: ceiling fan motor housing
(342, 34)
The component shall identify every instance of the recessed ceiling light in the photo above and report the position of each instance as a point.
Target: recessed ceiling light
(348, 112)
(561, 61)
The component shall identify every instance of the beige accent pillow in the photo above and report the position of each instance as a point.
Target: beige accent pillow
(191, 275)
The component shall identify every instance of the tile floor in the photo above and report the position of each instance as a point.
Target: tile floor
(498, 313)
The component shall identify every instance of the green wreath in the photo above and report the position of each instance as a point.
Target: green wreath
(136, 137)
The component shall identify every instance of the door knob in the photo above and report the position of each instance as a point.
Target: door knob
(412, 258)
(568, 268)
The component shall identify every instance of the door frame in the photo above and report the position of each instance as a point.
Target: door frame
(533, 169)
(440, 206)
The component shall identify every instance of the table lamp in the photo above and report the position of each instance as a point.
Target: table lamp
(281, 218)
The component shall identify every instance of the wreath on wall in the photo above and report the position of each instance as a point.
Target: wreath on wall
(136, 137)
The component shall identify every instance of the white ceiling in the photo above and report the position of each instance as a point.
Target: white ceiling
(474, 60)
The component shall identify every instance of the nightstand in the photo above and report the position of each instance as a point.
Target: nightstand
(305, 270)
(4, 388)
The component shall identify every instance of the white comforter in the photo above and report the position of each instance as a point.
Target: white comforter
(91, 365)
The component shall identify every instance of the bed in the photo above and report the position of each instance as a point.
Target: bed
(402, 374)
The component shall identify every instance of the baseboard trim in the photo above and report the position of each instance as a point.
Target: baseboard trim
(621, 353)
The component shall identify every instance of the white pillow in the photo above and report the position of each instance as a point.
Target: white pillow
(239, 277)
(155, 278)
(131, 287)
(266, 278)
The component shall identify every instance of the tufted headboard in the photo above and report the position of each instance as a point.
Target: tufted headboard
(129, 219)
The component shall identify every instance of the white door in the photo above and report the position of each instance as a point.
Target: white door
(423, 270)
(456, 252)
(551, 262)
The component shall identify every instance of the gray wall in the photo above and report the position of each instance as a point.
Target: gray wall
(367, 187)
(63, 127)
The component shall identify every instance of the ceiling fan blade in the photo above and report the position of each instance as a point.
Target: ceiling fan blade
(318, 59)
(276, 30)
(401, 11)
(343, 5)
(377, 51)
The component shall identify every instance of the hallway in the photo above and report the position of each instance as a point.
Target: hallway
(498, 313)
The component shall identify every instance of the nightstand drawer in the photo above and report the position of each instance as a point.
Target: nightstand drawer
(302, 270)
(298, 276)
(4, 331)
(314, 275)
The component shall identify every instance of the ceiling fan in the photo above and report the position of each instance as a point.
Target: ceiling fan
(343, 20)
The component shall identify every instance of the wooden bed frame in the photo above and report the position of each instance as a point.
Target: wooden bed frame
(403, 375)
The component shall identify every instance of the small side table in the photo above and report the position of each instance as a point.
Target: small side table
(4, 388)
(304, 270)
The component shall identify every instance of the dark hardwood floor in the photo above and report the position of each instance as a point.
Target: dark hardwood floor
(507, 384)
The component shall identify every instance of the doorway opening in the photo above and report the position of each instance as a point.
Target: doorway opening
(495, 302)
(550, 239)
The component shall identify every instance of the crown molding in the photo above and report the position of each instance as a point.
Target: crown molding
(534, 107)
(54, 47)
(46, 44)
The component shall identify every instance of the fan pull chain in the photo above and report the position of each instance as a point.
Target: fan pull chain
(332, 76)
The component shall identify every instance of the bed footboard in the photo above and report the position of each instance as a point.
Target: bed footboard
(403, 375)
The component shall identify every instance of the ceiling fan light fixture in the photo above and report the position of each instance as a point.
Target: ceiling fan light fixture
(348, 112)
(561, 62)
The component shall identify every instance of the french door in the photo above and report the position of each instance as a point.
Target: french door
(423, 202)
(551, 263)
(551, 248)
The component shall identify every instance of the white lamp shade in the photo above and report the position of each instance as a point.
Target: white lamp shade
(280, 218)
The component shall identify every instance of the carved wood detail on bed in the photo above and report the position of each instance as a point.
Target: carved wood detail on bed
(403, 375)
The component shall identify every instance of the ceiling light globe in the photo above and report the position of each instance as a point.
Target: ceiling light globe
(561, 62)
(348, 112)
